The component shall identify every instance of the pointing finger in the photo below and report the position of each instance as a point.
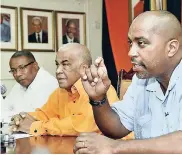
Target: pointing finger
(99, 62)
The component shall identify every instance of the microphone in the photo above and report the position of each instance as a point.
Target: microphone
(166, 114)
(3, 89)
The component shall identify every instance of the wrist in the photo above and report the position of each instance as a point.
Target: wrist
(98, 98)
(98, 101)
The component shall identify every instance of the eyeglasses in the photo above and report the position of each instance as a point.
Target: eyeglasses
(20, 68)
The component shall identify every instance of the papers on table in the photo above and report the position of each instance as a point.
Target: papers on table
(20, 135)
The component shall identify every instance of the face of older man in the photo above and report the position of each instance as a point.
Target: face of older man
(67, 72)
(37, 25)
(148, 49)
(23, 70)
(71, 30)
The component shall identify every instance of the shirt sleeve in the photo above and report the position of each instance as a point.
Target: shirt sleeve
(126, 107)
(50, 122)
(83, 121)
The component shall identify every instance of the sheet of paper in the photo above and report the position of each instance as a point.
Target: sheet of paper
(20, 135)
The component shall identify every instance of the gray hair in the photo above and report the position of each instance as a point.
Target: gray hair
(27, 54)
(85, 55)
(36, 18)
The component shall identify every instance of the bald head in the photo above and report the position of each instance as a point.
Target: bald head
(81, 52)
(155, 39)
(160, 22)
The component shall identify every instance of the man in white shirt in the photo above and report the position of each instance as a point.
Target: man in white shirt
(33, 87)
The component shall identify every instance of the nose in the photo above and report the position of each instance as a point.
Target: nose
(133, 52)
(18, 73)
(59, 69)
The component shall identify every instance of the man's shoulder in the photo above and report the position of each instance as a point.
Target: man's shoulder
(44, 32)
(31, 36)
(64, 37)
(44, 73)
(44, 82)
(76, 40)
(16, 89)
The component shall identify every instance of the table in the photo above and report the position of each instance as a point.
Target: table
(43, 145)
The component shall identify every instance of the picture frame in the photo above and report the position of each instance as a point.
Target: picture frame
(9, 28)
(181, 12)
(37, 29)
(70, 27)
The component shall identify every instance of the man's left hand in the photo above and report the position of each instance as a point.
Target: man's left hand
(94, 143)
(21, 122)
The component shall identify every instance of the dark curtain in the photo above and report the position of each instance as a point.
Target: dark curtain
(173, 6)
(146, 5)
(107, 50)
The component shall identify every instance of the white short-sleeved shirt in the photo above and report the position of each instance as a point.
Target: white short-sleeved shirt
(21, 99)
(147, 111)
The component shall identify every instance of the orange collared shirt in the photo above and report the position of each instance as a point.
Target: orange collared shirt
(67, 114)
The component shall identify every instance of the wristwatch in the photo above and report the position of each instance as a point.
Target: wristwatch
(98, 103)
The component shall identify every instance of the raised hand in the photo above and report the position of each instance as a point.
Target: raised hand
(95, 80)
(21, 122)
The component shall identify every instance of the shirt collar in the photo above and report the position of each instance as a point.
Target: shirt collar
(40, 33)
(153, 84)
(77, 87)
(69, 39)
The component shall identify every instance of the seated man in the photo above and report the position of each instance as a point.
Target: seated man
(67, 111)
(152, 105)
(33, 87)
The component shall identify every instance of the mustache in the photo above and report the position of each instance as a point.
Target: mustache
(20, 79)
(133, 60)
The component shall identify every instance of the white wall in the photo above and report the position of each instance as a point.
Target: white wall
(93, 10)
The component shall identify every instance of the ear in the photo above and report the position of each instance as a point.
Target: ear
(36, 65)
(173, 46)
(82, 68)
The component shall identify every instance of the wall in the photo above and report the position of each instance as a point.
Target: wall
(93, 10)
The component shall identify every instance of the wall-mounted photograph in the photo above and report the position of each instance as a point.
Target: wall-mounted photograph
(37, 29)
(9, 28)
(70, 28)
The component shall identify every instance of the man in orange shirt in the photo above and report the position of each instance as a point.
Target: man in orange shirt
(67, 112)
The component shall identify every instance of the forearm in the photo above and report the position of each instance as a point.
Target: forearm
(68, 126)
(108, 121)
(53, 126)
(171, 143)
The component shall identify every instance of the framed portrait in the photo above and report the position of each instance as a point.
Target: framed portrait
(37, 29)
(70, 27)
(9, 28)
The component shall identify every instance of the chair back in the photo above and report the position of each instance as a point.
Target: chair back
(124, 80)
